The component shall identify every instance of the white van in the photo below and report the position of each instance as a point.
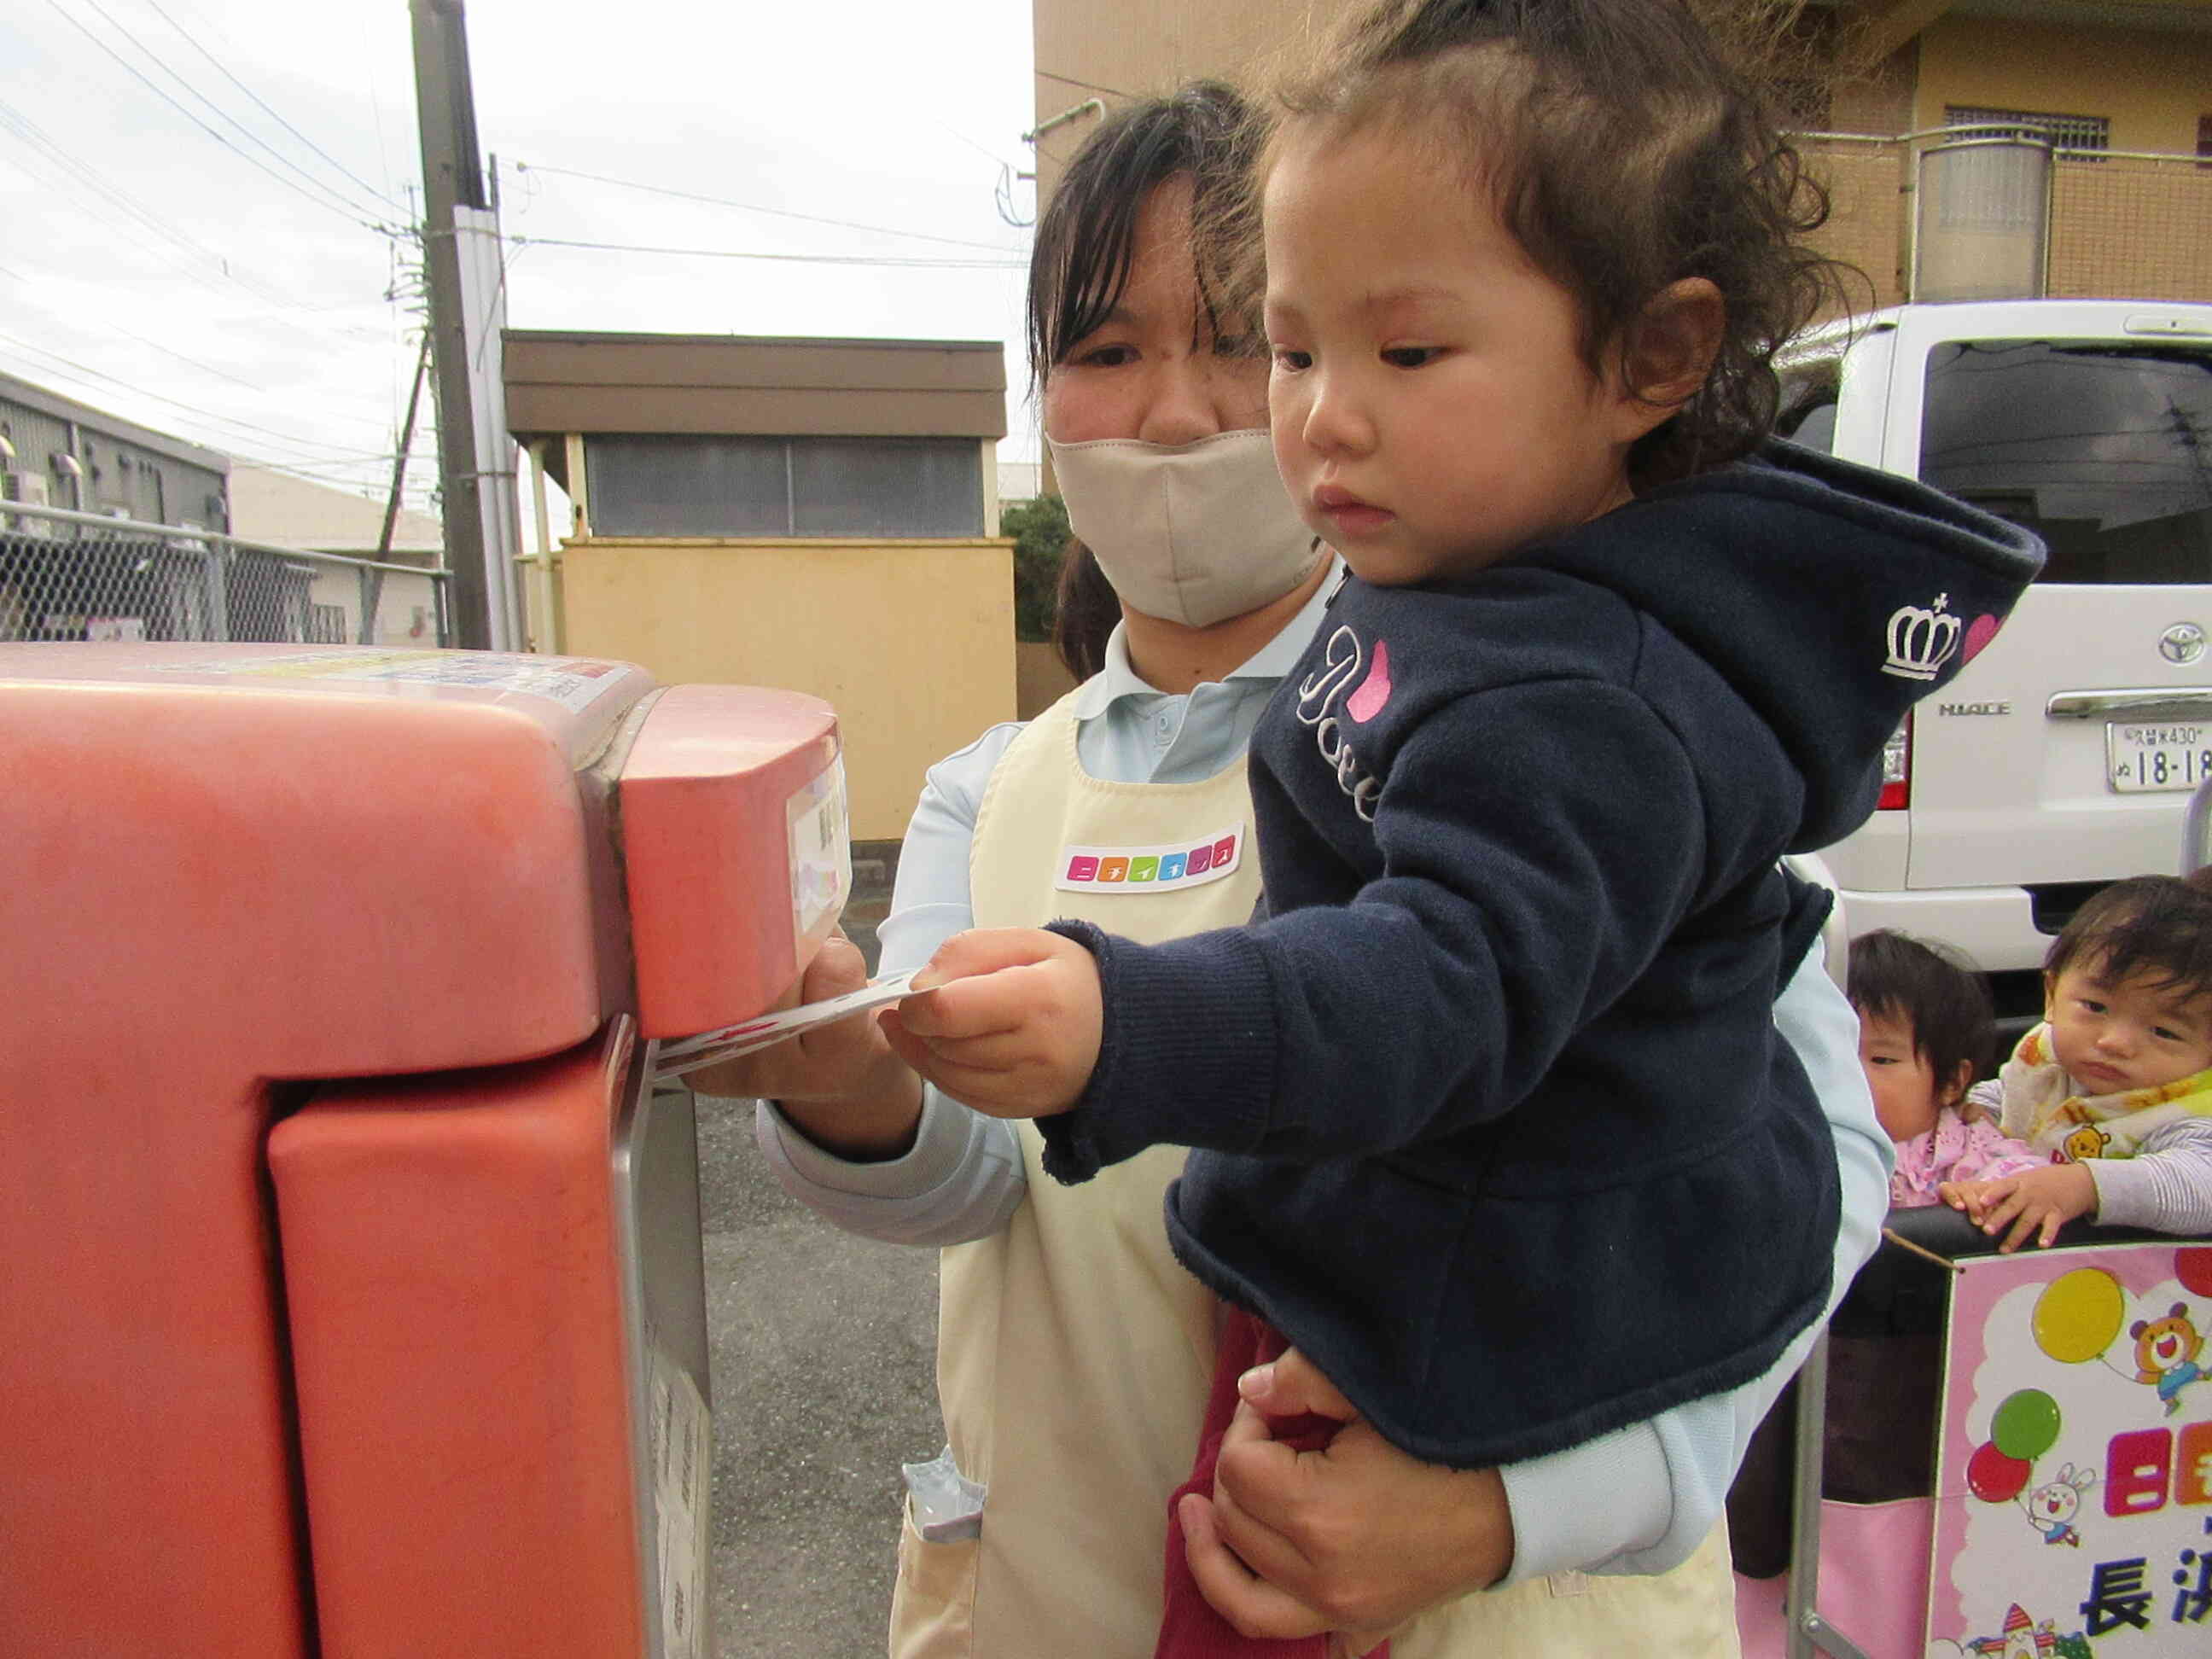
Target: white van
(2062, 756)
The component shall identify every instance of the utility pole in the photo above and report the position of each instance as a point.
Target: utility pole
(462, 269)
(371, 581)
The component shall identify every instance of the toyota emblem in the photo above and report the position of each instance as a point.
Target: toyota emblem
(2184, 642)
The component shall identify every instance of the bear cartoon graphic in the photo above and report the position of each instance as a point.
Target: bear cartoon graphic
(2166, 1354)
(2087, 1141)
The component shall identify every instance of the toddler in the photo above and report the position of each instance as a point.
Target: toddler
(2114, 1089)
(1491, 1117)
(1924, 1021)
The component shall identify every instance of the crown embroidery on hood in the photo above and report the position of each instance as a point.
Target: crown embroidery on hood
(1923, 638)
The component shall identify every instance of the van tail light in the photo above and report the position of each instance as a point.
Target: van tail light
(1897, 769)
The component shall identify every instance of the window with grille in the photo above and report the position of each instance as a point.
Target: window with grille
(2071, 132)
(802, 486)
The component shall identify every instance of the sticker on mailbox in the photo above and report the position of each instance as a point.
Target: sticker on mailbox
(574, 683)
(680, 1442)
(821, 849)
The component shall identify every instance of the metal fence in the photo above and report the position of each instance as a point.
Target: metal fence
(67, 575)
(2118, 224)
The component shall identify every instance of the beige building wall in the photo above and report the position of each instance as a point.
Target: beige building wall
(2153, 82)
(2137, 229)
(2126, 227)
(274, 508)
(267, 506)
(911, 641)
(2099, 247)
(1041, 679)
(1144, 47)
(406, 605)
(2152, 85)
(1878, 99)
(1866, 217)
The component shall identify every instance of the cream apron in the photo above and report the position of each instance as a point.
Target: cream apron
(1074, 1354)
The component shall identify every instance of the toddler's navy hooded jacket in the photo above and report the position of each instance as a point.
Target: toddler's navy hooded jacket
(1495, 1126)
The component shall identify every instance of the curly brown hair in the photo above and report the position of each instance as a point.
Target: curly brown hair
(1624, 153)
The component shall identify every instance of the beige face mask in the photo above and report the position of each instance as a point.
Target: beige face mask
(1193, 533)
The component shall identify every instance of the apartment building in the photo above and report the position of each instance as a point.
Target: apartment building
(1972, 147)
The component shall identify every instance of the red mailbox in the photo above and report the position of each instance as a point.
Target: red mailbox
(353, 1300)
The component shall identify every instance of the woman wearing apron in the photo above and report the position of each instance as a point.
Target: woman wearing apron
(1074, 1354)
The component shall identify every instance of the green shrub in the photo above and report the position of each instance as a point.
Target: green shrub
(1039, 528)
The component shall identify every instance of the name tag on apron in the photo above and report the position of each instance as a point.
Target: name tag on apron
(1175, 868)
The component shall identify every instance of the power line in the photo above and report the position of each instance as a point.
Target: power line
(351, 209)
(368, 485)
(329, 206)
(31, 134)
(751, 207)
(988, 155)
(224, 69)
(48, 149)
(208, 368)
(337, 467)
(80, 370)
(1088, 85)
(376, 115)
(789, 258)
(507, 255)
(112, 327)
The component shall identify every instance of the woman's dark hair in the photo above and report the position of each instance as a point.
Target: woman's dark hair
(1623, 153)
(1085, 609)
(1085, 241)
(1086, 236)
(1944, 1001)
(2156, 926)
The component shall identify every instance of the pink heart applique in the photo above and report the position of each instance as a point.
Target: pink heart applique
(1979, 633)
(1364, 704)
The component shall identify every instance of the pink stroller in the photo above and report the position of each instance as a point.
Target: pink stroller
(1999, 1455)
(2007, 1456)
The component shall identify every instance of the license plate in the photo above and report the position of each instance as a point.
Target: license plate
(2139, 758)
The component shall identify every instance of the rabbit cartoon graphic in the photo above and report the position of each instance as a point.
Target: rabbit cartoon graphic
(2052, 1506)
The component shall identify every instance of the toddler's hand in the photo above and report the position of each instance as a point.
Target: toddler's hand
(2040, 1201)
(1969, 1198)
(1011, 1023)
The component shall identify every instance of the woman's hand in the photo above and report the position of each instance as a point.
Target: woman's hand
(840, 1084)
(1357, 1538)
(2040, 1201)
(1012, 1025)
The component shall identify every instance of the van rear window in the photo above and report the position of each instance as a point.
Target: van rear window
(2102, 448)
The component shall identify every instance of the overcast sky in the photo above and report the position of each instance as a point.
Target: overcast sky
(199, 198)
